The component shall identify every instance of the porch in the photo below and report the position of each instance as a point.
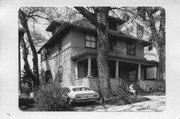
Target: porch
(122, 72)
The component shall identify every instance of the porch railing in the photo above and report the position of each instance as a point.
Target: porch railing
(117, 51)
(123, 85)
(142, 85)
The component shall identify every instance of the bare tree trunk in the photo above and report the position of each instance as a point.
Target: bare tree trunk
(35, 73)
(161, 64)
(99, 19)
(158, 36)
(102, 51)
(26, 63)
(21, 35)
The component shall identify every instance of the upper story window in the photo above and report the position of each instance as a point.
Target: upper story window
(45, 53)
(90, 41)
(131, 49)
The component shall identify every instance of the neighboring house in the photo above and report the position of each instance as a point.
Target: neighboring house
(69, 56)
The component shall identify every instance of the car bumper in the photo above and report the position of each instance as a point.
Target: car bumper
(85, 100)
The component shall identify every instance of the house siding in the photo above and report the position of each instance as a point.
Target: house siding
(78, 39)
(78, 43)
(62, 59)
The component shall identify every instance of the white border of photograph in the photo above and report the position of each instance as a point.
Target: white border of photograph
(9, 60)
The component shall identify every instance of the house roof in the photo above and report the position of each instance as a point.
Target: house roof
(66, 26)
(53, 25)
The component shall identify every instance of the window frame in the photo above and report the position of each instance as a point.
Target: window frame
(129, 49)
(90, 41)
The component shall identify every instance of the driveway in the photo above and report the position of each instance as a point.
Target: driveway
(156, 103)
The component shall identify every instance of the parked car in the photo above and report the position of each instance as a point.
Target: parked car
(81, 94)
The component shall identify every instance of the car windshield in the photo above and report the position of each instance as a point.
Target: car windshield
(81, 89)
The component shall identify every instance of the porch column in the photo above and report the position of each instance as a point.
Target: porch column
(76, 70)
(89, 67)
(117, 69)
(157, 73)
(139, 71)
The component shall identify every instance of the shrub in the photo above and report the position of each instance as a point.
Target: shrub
(51, 98)
(25, 89)
(25, 103)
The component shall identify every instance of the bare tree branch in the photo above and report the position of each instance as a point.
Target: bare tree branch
(90, 16)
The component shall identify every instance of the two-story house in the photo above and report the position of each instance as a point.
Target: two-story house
(69, 56)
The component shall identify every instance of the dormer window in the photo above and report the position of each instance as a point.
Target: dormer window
(90, 41)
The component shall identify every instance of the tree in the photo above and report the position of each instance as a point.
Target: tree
(30, 18)
(154, 15)
(21, 35)
(35, 73)
(100, 19)
(148, 18)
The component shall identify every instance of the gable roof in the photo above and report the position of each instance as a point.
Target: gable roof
(86, 27)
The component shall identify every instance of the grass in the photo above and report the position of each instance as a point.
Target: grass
(26, 103)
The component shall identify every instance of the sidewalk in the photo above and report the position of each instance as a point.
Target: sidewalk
(155, 104)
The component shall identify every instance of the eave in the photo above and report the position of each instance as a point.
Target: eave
(120, 35)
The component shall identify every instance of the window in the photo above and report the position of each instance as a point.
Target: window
(90, 41)
(45, 53)
(131, 49)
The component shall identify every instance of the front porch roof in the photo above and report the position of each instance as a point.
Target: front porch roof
(122, 58)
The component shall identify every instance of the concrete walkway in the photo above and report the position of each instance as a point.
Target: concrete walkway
(155, 104)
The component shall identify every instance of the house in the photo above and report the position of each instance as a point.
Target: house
(69, 56)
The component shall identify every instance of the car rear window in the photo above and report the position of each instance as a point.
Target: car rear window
(81, 89)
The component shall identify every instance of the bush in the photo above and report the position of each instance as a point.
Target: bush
(51, 98)
(25, 89)
(25, 103)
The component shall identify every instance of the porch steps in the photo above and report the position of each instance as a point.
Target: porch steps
(123, 92)
(124, 88)
(139, 90)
